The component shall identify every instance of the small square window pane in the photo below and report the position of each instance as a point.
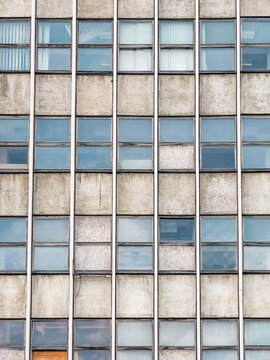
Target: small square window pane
(95, 32)
(13, 130)
(135, 130)
(255, 32)
(218, 257)
(219, 333)
(135, 60)
(220, 355)
(257, 332)
(176, 333)
(51, 230)
(92, 355)
(218, 157)
(51, 258)
(256, 229)
(256, 129)
(94, 157)
(176, 130)
(94, 130)
(54, 59)
(176, 32)
(134, 230)
(257, 354)
(134, 333)
(139, 32)
(217, 32)
(256, 157)
(13, 156)
(135, 157)
(52, 157)
(12, 258)
(49, 333)
(14, 32)
(218, 230)
(176, 60)
(14, 59)
(256, 58)
(135, 258)
(217, 130)
(217, 59)
(95, 59)
(257, 258)
(92, 333)
(11, 333)
(52, 130)
(176, 230)
(12, 230)
(54, 32)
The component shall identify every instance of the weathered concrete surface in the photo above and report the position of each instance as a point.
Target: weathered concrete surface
(93, 193)
(14, 93)
(135, 95)
(176, 9)
(8, 354)
(54, 8)
(136, 9)
(255, 93)
(257, 296)
(134, 296)
(218, 193)
(176, 95)
(176, 258)
(173, 157)
(50, 296)
(177, 296)
(92, 296)
(94, 95)
(218, 94)
(95, 9)
(217, 8)
(15, 8)
(93, 229)
(255, 8)
(93, 257)
(256, 193)
(51, 194)
(13, 194)
(219, 296)
(177, 355)
(12, 296)
(176, 194)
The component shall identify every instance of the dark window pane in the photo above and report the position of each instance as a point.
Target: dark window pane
(51, 230)
(256, 157)
(52, 157)
(176, 32)
(52, 130)
(12, 230)
(218, 230)
(14, 32)
(95, 32)
(176, 130)
(135, 258)
(257, 258)
(54, 32)
(95, 59)
(255, 32)
(94, 157)
(217, 130)
(135, 157)
(256, 58)
(134, 230)
(218, 157)
(257, 229)
(49, 333)
(92, 333)
(220, 355)
(256, 129)
(94, 130)
(92, 355)
(16, 59)
(12, 258)
(134, 333)
(51, 258)
(217, 59)
(176, 230)
(257, 332)
(13, 130)
(176, 333)
(11, 333)
(54, 59)
(218, 257)
(14, 155)
(135, 130)
(217, 32)
(257, 354)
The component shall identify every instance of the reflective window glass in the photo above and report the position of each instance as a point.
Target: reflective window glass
(14, 32)
(176, 60)
(257, 354)
(12, 258)
(52, 157)
(135, 157)
(92, 332)
(13, 130)
(255, 32)
(257, 332)
(135, 60)
(139, 32)
(50, 258)
(134, 333)
(219, 333)
(135, 130)
(176, 230)
(12, 230)
(134, 230)
(176, 32)
(218, 157)
(217, 59)
(54, 59)
(95, 32)
(54, 32)
(94, 157)
(256, 157)
(256, 257)
(14, 59)
(95, 59)
(217, 130)
(52, 130)
(176, 130)
(176, 333)
(13, 156)
(256, 58)
(49, 333)
(92, 355)
(217, 32)
(256, 129)
(51, 230)
(11, 333)
(218, 257)
(135, 258)
(256, 229)
(94, 130)
(220, 355)
(218, 230)
(134, 355)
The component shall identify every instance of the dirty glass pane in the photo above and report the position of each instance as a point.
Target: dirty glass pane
(218, 257)
(220, 355)
(135, 157)
(52, 157)
(52, 130)
(176, 230)
(176, 32)
(11, 333)
(49, 333)
(256, 229)
(257, 257)
(134, 333)
(135, 130)
(217, 32)
(54, 32)
(257, 332)
(218, 157)
(51, 230)
(94, 157)
(50, 258)
(256, 129)
(217, 130)
(176, 130)
(135, 258)
(12, 230)
(134, 230)
(13, 130)
(92, 333)
(95, 32)
(218, 229)
(92, 355)
(94, 130)
(176, 333)
(219, 333)
(12, 258)
(135, 32)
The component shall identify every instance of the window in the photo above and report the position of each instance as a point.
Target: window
(217, 46)
(176, 230)
(176, 46)
(217, 143)
(95, 46)
(11, 333)
(49, 334)
(94, 144)
(135, 46)
(256, 339)
(54, 41)
(175, 333)
(255, 45)
(14, 45)
(135, 150)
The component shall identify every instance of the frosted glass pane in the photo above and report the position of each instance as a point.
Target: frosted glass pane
(134, 333)
(217, 59)
(52, 130)
(256, 157)
(257, 229)
(51, 258)
(220, 355)
(217, 32)
(135, 60)
(176, 333)
(135, 157)
(255, 32)
(257, 354)
(257, 258)
(257, 333)
(176, 60)
(217, 130)
(139, 32)
(218, 230)
(135, 130)
(95, 32)
(12, 230)
(135, 258)
(134, 230)
(256, 129)
(51, 230)
(219, 333)
(134, 355)
(176, 32)
(176, 130)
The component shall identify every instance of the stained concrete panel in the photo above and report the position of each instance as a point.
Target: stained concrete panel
(177, 296)
(93, 258)
(219, 296)
(93, 9)
(173, 157)
(54, 8)
(177, 194)
(51, 194)
(135, 194)
(218, 193)
(134, 296)
(255, 8)
(176, 258)
(217, 8)
(12, 296)
(176, 95)
(92, 296)
(257, 296)
(13, 194)
(136, 9)
(256, 193)
(93, 229)
(255, 93)
(15, 8)
(177, 9)
(8, 354)
(177, 355)
(93, 194)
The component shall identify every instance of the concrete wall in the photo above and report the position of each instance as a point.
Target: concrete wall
(255, 8)
(177, 355)
(136, 9)
(13, 194)
(255, 93)
(54, 8)
(95, 9)
(93, 258)
(93, 229)
(12, 296)
(176, 194)
(257, 296)
(217, 8)
(177, 296)
(176, 157)
(176, 258)
(176, 9)
(256, 193)
(15, 8)
(7, 354)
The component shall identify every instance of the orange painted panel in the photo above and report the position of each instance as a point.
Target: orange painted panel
(49, 355)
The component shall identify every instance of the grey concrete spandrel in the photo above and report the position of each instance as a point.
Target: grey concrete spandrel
(12, 296)
(93, 229)
(136, 9)
(15, 8)
(255, 8)
(13, 194)
(176, 258)
(176, 9)
(256, 193)
(93, 258)
(257, 295)
(54, 8)
(217, 8)
(255, 93)
(93, 9)
(177, 355)
(176, 157)
(8, 354)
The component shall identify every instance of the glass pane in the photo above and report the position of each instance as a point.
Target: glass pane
(256, 129)
(54, 32)
(13, 130)
(256, 229)
(257, 354)
(54, 59)
(256, 58)
(49, 333)
(217, 59)
(94, 130)
(95, 32)
(134, 230)
(255, 32)
(218, 157)
(92, 333)
(176, 333)
(51, 258)
(134, 333)
(14, 59)
(134, 355)
(135, 157)
(217, 32)
(176, 32)
(52, 157)
(51, 230)
(15, 155)
(52, 130)
(135, 130)
(14, 32)
(218, 257)
(12, 258)
(176, 60)
(217, 130)
(12, 230)
(135, 60)
(139, 32)
(218, 230)
(94, 157)
(257, 258)
(219, 333)
(94, 59)
(255, 156)
(176, 130)
(220, 355)
(135, 258)
(11, 333)
(176, 230)
(92, 355)
(257, 333)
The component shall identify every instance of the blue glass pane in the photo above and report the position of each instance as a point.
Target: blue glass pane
(256, 129)
(93, 355)
(54, 32)
(135, 130)
(257, 258)
(52, 157)
(15, 155)
(220, 355)
(256, 229)
(49, 333)
(51, 258)
(12, 230)
(256, 157)
(14, 59)
(12, 258)
(51, 230)
(135, 230)
(94, 130)
(217, 59)
(52, 130)
(176, 230)
(176, 32)
(135, 32)
(176, 130)
(95, 32)
(13, 130)
(176, 333)
(217, 32)
(134, 258)
(218, 257)
(255, 32)
(135, 157)
(217, 130)
(257, 354)
(94, 157)
(54, 59)
(256, 58)
(14, 32)
(95, 59)
(92, 332)
(12, 333)
(218, 230)
(257, 332)
(218, 157)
